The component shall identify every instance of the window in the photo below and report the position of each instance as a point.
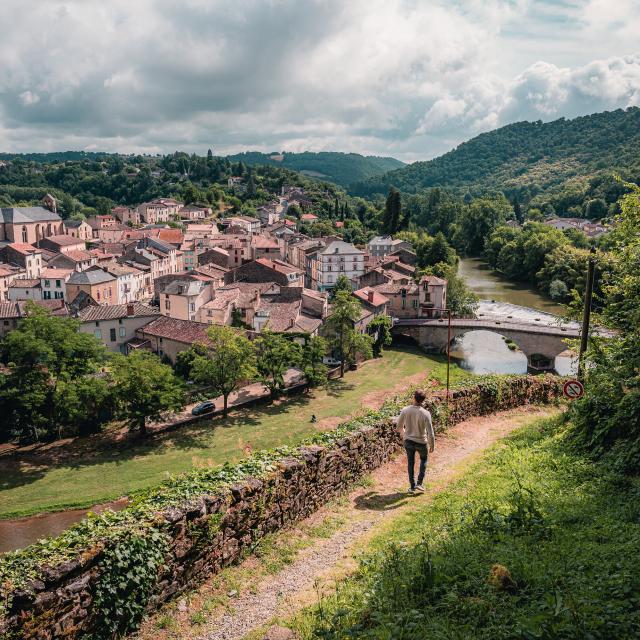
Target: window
(192, 306)
(97, 333)
(58, 285)
(123, 332)
(46, 295)
(119, 320)
(112, 335)
(58, 295)
(415, 304)
(167, 304)
(98, 295)
(24, 234)
(47, 283)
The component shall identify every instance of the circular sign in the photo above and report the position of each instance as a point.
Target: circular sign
(573, 389)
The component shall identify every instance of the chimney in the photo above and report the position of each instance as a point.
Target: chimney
(130, 310)
(370, 295)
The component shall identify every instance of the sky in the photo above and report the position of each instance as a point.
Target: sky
(404, 78)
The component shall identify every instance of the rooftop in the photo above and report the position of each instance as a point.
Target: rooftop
(16, 215)
(116, 311)
(185, 331)
(91, 277)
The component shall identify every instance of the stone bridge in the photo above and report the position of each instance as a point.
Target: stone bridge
(540, 342)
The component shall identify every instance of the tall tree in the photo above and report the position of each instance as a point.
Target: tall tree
(314, 351)
(145, 388)
(230, 359)
(380, 330)
(345, 312)
(275, 355)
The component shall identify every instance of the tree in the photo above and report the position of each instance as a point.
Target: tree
(144, 388)
(275, 354)
(380, 329)
(46, 355)
(230, 359)
(184, 360)
(392, 210)
(345, 312)
(558, 290)
(517, 210)
(439, 250)
(342, 284)
(313, 353)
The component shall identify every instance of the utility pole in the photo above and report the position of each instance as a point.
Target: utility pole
(586, 315)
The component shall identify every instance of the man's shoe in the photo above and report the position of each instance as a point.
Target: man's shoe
(419, 488)
(411, 490)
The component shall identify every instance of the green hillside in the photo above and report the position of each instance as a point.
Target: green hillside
(341, 168)
(561, 160)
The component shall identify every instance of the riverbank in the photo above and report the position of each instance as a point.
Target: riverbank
(102, 475)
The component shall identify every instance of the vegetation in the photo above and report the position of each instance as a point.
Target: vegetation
(229, 361)
(144, 388)
(607, 419)
(346, 341)
(534, 542)
(341, 168)
(275, 354)
(566, 166)
(103, 472)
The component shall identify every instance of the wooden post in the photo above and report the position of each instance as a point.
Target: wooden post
(586, 314)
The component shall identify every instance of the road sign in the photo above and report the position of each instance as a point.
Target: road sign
(573, 389)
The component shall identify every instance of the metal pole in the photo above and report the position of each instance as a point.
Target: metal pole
(448, 350)
(586, 315)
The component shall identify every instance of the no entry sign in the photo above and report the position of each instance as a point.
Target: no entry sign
(573, 389)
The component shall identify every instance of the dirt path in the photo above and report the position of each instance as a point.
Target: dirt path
(318, 566)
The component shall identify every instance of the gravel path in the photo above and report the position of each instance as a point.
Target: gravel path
(297, 584)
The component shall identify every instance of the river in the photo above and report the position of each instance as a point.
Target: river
(485, 351)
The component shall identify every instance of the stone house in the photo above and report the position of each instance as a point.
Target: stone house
(115, 325)
(433, 296)
(167, 337)
(384, 245)
(265, 270)
(63, 244)
(25, 289)
(404, 299)
(78, 229)
(96, 283)
(127, 215)
(53, 283)
(76, 260)
(24, 256)
(7, 274)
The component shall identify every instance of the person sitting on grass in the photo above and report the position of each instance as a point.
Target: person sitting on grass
(416, 430)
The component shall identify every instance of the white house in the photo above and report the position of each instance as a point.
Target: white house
(336, 259)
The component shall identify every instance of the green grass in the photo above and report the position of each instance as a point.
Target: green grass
(534, 542)
(106, 475)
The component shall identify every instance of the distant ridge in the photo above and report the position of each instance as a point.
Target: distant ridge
(525, 158)
(340, 168)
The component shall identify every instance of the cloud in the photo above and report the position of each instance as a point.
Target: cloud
(401, 77)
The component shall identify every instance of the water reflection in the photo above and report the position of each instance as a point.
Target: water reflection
(487, 352)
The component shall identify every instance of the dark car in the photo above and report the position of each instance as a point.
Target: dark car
(204, 407)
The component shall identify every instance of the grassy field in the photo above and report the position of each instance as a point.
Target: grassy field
(106, 475)
(534, 542)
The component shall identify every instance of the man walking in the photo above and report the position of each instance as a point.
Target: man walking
(416, 430)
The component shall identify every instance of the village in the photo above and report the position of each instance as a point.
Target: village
(155, 276)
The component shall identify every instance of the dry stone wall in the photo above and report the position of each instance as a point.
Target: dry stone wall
(214, 531)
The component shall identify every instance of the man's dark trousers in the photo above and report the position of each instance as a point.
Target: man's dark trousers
(411, 448)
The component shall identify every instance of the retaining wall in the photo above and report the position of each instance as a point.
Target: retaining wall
(214, 531)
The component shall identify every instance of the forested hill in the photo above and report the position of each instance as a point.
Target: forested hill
(527, 158)
(340, 168)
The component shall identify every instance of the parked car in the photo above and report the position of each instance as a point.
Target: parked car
(203, 408)
(331, 362)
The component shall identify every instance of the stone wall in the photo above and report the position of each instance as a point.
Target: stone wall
(214, 531)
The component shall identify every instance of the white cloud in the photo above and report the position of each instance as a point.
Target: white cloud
(402, 77)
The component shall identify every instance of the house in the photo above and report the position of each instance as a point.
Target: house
(195, 212)
(433, 296)
(236, 184)
(291, 310)
(127, 215)
(384, 245)
(372, 300)
(246, 223)
(25, 289)
(161, 258)
(7, 274)
(308, 218)
(160, 210)
(63, 244)
(76, 260)
(115, 325)
(108, 221)
(129, 282)
(53, 283)
(264, 247)
(25, 256)
(12, 312)
(28, 225)
(182, 299)
(404, 299)
(96, 283)
(266, 270)
(405, 256)
(168, 336)
(78, 229)
(336, 259)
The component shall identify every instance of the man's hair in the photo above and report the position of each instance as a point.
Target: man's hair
(419, 395)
